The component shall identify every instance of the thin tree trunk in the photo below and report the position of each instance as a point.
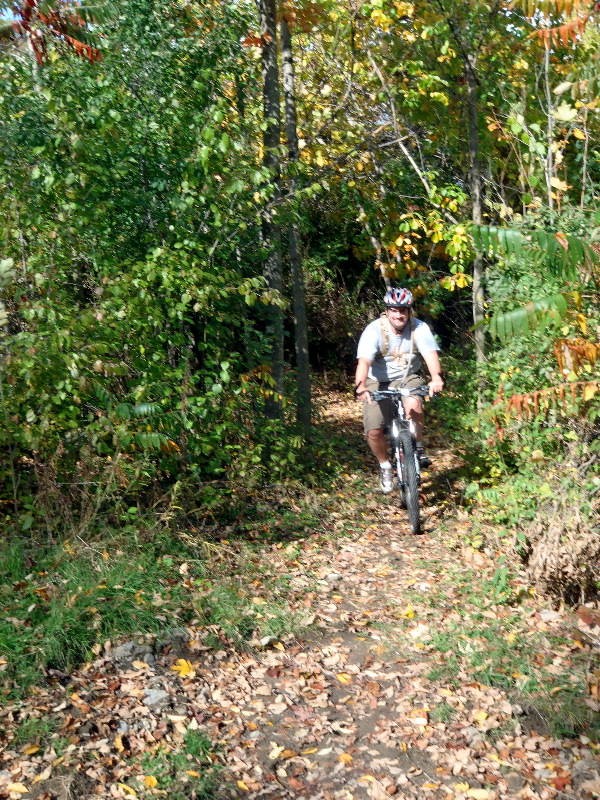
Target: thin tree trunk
(477, 216)
(549, 163)
(299, 301)
(271, 231)
(586, 134)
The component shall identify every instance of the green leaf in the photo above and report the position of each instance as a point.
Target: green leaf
(521, 320)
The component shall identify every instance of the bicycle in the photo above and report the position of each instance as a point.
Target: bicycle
(404, 451)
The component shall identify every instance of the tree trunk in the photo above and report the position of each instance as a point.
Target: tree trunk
(477, 212)
(549, 162)
(271, 231)
(299, 302)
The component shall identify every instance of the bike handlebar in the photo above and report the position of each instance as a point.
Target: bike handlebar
(419, 391)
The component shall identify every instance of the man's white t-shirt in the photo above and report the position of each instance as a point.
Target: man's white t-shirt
(397, 363)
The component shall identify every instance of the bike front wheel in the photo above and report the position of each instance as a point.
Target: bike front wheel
(411, 480)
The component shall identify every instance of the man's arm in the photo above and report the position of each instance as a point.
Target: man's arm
(436, 384)
(362, 371)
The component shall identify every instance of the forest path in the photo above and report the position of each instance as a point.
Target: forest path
(415, 678)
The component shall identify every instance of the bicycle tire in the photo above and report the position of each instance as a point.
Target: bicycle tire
(397, 449)
(411, 481)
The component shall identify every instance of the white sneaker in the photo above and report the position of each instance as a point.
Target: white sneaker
(386, 480)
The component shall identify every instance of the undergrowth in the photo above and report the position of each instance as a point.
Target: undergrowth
(145, 565)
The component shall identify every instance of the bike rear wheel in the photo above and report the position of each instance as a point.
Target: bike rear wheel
(411, 480)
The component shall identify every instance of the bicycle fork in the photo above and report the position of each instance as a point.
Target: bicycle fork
(399, 455)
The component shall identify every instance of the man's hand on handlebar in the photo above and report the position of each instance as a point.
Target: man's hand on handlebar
(362, 394)
(436, 385)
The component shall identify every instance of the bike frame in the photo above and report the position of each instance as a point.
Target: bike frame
(399, 423)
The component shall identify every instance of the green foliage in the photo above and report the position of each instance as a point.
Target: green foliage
(169, 767)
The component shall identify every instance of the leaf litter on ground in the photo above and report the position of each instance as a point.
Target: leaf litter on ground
(411, 679)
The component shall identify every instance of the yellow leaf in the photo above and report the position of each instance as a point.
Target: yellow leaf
(119, 744)
(582, 322)
(258, 601)
(17, 787)
(478, 794)
(192, 773)
(279, 646)
(139, 665)
(184, 667)
(480, 716)
(430, 785)
(320, 160)
(578, 134)
(150, 781)
(408, 612)
(345, 758)
(511, 637)
(344, 678)
(127, 789)
(30, 749)
(242, 785)
(461, 787)
(589, 391)
(309, 751)
(558, 184)
(369, 778)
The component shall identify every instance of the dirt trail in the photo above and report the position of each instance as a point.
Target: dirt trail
(383, 697)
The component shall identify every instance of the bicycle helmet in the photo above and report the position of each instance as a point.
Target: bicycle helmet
(398, 298)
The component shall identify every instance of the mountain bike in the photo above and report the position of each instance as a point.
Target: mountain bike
(403, 440)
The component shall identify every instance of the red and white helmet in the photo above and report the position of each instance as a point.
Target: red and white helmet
(398, 298)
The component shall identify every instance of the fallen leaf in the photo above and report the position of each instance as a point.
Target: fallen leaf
(17, 787)
(480, 715)
(184, 667)
(461, 787)
(43, 776)
(127, 789)
(30, 749)
(309, 751)
(345, 758)
(242, 785)
(150, 781)
(478, 794)
(139, 665)
(344, 678)
(192, 773)
(119, 744)
(276, 751)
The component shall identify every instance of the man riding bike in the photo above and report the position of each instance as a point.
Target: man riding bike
(390, 354)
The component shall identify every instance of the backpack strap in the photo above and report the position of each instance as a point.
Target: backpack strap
(384, 327)
(385, 338)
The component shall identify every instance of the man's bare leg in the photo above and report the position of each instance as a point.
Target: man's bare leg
(378, 444)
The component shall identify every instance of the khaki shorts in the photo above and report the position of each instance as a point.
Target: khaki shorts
(378, 415)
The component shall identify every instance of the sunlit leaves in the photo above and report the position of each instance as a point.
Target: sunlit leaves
(515, 323)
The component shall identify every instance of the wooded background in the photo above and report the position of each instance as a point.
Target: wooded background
(201, 205)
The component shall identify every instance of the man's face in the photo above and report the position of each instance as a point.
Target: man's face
(398, 317)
